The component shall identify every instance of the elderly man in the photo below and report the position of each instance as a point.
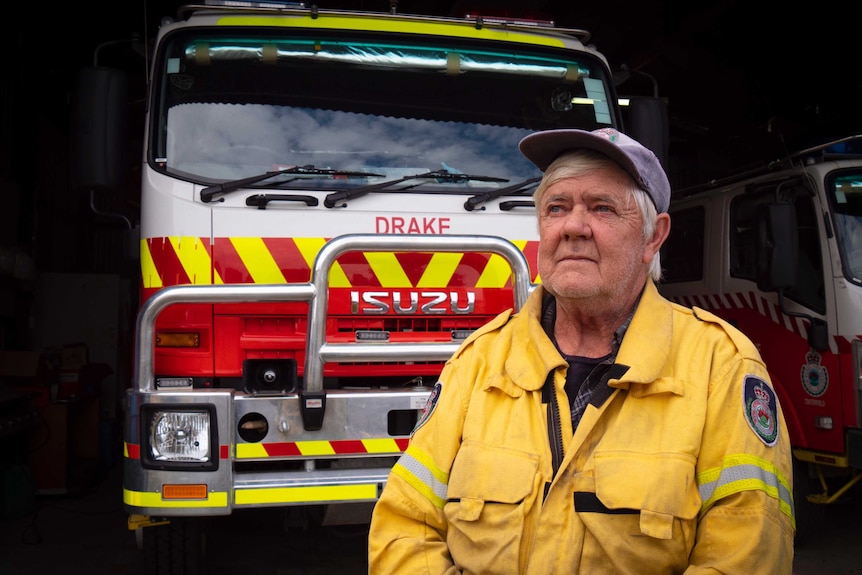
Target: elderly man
(602, 429)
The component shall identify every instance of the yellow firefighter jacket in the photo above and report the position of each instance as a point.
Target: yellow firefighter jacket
(683, 467)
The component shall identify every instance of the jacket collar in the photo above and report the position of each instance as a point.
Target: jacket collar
(540, 356)
(646, 346)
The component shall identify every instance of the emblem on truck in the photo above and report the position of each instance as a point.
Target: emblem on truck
(411, 302)
(815, 378)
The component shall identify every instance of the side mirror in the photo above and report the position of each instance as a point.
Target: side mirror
(646, 120)
(99, 155)
(776, 246)
(776, 250)
(818, 335)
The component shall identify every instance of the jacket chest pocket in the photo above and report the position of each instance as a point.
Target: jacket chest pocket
(661, 486)
(490, 490)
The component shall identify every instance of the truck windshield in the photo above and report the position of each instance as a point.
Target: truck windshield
(234, 104)
(846, 191)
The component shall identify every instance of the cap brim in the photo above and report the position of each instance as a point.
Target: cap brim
(542, 148)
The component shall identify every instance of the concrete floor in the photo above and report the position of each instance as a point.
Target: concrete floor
(85, 533)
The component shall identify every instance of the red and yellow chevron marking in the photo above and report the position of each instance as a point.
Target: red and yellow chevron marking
(182, 260)
(317, 448)
(379, 446)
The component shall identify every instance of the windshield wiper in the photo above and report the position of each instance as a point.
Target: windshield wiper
(227, 187)
(471, 203)
(445, 175)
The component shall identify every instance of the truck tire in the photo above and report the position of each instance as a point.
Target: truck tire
(176, 548)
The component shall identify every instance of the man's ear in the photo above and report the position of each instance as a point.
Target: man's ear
(662, 229)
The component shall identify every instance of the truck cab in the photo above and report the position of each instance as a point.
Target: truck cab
(778, 253)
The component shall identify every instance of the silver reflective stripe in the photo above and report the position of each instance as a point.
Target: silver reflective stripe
(420, 476)
(747, 477)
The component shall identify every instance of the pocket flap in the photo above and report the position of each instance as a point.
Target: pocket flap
(662, 483)
(492, 473)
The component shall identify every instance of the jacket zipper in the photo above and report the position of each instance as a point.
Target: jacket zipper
(555, 432)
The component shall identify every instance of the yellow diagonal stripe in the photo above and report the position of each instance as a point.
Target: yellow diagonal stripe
(258, 261)
(388, 270)
(522, 245)
(498, 271)
(440, 270)
(250, 451)
(315, 448)
(495, 274)
(309, 247)
(194, 258)
(384, 445)
(149, 273)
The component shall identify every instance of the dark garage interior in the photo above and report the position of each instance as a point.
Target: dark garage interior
(744, 83)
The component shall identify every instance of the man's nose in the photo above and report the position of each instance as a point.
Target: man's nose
(577, 223)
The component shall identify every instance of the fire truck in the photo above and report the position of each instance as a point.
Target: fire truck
(778, 253)
(330, 202)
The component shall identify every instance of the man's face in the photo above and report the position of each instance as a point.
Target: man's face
(591, 238)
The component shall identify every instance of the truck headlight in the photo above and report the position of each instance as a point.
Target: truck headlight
(179, 438)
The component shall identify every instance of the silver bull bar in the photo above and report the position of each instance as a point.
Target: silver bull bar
(298, 416)
(317, 350)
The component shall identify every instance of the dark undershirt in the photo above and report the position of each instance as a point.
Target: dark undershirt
(579, 368)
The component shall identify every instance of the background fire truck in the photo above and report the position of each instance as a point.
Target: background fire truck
(778, 252)
(331, 201)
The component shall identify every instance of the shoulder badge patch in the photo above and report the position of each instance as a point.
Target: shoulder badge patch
(430, 405)
(761, 409)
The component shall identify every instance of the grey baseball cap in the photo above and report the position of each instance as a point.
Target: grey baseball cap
(542, 148)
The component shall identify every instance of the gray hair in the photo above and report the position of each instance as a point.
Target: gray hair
(579, 162)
